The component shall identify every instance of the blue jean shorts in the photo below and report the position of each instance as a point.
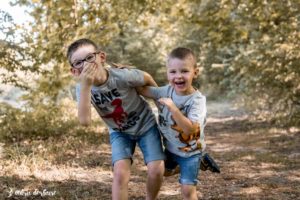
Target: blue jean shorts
(123, 145)
(189, 167)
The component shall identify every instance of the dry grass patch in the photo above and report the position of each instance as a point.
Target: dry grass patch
(257, 160)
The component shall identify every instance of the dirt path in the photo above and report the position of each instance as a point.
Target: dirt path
(257, 161)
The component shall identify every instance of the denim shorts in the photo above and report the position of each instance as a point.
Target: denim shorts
(123, 145)
(189, 167)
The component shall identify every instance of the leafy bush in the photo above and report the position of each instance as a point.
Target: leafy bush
(249, 50)
(40, 122)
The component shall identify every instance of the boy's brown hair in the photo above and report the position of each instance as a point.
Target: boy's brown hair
(183, 53)
(79, 43)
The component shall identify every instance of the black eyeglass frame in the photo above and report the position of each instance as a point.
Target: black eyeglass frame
(85, 60)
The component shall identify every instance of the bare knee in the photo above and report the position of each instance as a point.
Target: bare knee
(122, 172)
(189, 192)
(156, 169)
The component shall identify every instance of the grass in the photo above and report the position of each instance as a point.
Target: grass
(257, 160)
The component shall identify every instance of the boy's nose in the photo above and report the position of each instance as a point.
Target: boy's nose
(178, 75)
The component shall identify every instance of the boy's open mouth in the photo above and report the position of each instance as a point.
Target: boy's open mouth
(179, 83)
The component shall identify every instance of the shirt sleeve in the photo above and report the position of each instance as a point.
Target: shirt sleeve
(155, 92)
(198, 111)
(133, 77)
(159, 92)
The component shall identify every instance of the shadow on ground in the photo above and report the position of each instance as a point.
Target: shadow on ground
(37, 189)
(257, 160)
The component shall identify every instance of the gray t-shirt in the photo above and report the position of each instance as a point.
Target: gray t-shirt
(192, 106)
(118, 103)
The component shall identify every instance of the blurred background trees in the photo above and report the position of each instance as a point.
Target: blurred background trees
(247, 50)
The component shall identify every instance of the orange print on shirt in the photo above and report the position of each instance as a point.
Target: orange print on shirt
(187, 138)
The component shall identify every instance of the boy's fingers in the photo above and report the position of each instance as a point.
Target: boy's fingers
(161, 100)
(88, 69)
(91, 67)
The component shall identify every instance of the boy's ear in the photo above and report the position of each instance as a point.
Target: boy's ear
(75, 72)
(196, 72)
(102, 56)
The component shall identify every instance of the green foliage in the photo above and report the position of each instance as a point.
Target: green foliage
(267, 64)
(114, 25)
(15, 57)
(250, 50)
(42, 122)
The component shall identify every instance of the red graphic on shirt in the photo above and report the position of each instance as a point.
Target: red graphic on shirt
(118, 115)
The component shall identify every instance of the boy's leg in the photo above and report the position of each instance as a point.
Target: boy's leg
(189, 170)
(150, 145)
(121, 179)
(155, 178)
(207, 162)
(122, 146)
(189, 192)
(171, 166)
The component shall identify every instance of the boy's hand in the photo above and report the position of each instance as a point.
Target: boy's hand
(140, 90)
(168, 102)
(87, 75)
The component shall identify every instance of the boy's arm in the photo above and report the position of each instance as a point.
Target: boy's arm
(145, 90)
(149, 81)
(182, 121)
(84, 106)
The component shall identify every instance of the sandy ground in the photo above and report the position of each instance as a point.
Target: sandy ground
(257, 160)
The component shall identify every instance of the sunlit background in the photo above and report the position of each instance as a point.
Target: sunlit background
(248, 53)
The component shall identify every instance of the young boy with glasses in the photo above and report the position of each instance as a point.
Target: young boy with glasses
(128, 116)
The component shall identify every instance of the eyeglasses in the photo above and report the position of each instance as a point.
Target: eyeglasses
(89, 58)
